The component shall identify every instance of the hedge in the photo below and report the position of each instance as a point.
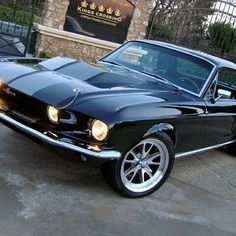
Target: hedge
(23, 17)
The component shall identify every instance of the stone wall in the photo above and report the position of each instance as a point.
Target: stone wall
(68, 48)
(56, 42)
(54, 18)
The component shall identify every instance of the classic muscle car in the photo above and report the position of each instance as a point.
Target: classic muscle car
(139, 108)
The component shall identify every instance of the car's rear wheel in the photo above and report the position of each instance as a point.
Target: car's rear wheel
(145, 167)
(231, 149)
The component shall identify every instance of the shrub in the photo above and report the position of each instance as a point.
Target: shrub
(23, 17)
(44, 54)
(223, 36)
(161, 31)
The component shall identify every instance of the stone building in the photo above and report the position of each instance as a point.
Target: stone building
(53, 40)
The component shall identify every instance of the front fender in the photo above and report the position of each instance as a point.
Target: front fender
(162, 127)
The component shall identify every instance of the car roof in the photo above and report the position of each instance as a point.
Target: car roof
(215, 60)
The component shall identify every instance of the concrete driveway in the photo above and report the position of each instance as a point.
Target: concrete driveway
(44, 194)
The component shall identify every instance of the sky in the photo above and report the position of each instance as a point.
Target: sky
(225, 7)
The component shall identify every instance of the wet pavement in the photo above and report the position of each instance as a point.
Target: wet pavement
(45, 192)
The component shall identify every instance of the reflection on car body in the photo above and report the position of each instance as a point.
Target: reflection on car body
(139, 107)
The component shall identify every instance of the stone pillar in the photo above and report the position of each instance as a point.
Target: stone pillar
(139, 23)
(54, 13)
(53, 41)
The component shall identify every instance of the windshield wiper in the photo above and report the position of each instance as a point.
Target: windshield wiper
(111, 62)
(116, 64)
(160, 78)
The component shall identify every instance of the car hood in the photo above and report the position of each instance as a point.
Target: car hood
(106, 84)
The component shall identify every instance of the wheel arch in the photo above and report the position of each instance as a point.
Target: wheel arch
(167, 128)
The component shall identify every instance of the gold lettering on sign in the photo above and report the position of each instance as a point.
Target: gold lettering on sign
(93, 6)
(101, 8)
(109, 11)
(117, 13)
(84, 4)
(99, 13)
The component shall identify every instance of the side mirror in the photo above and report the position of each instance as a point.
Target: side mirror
(224, 93)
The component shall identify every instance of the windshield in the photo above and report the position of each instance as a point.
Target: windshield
(181, 69)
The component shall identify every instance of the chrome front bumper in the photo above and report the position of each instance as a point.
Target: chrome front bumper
(104, 154)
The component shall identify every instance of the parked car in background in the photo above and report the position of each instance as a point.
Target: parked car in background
(139, 107)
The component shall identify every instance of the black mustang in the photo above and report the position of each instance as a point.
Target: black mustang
(140, 106)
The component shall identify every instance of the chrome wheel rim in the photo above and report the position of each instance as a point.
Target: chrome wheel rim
(145, 165)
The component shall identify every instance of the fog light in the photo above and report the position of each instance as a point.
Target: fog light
(53, 114)
(99, 130)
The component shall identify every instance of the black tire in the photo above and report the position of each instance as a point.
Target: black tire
(231, 149)
(119, 177)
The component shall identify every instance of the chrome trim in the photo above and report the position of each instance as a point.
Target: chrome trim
(43, 137)
(207, 82)
(179, 155)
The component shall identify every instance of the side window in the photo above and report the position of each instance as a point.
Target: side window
(226, 87)
(227, 76)
(211, 93)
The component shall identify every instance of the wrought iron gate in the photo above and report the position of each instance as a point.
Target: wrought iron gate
(16, 19)
(206, 25)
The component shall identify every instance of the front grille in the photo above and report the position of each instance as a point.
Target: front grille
(22, 106)
(33, 113)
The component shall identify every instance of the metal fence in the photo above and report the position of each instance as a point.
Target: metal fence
(16, 19)
(209, 26)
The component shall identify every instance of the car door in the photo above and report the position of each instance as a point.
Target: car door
(219, 121)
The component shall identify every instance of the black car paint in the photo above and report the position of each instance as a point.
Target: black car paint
(218, 123)
(133, 105)
(127, 108)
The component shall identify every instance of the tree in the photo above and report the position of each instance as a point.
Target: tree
(181, 21)
(223, 36)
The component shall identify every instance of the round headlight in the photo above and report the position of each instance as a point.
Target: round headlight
(99, 130)
(53, 114)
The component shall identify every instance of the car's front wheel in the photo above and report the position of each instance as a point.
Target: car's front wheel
(145, 167)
